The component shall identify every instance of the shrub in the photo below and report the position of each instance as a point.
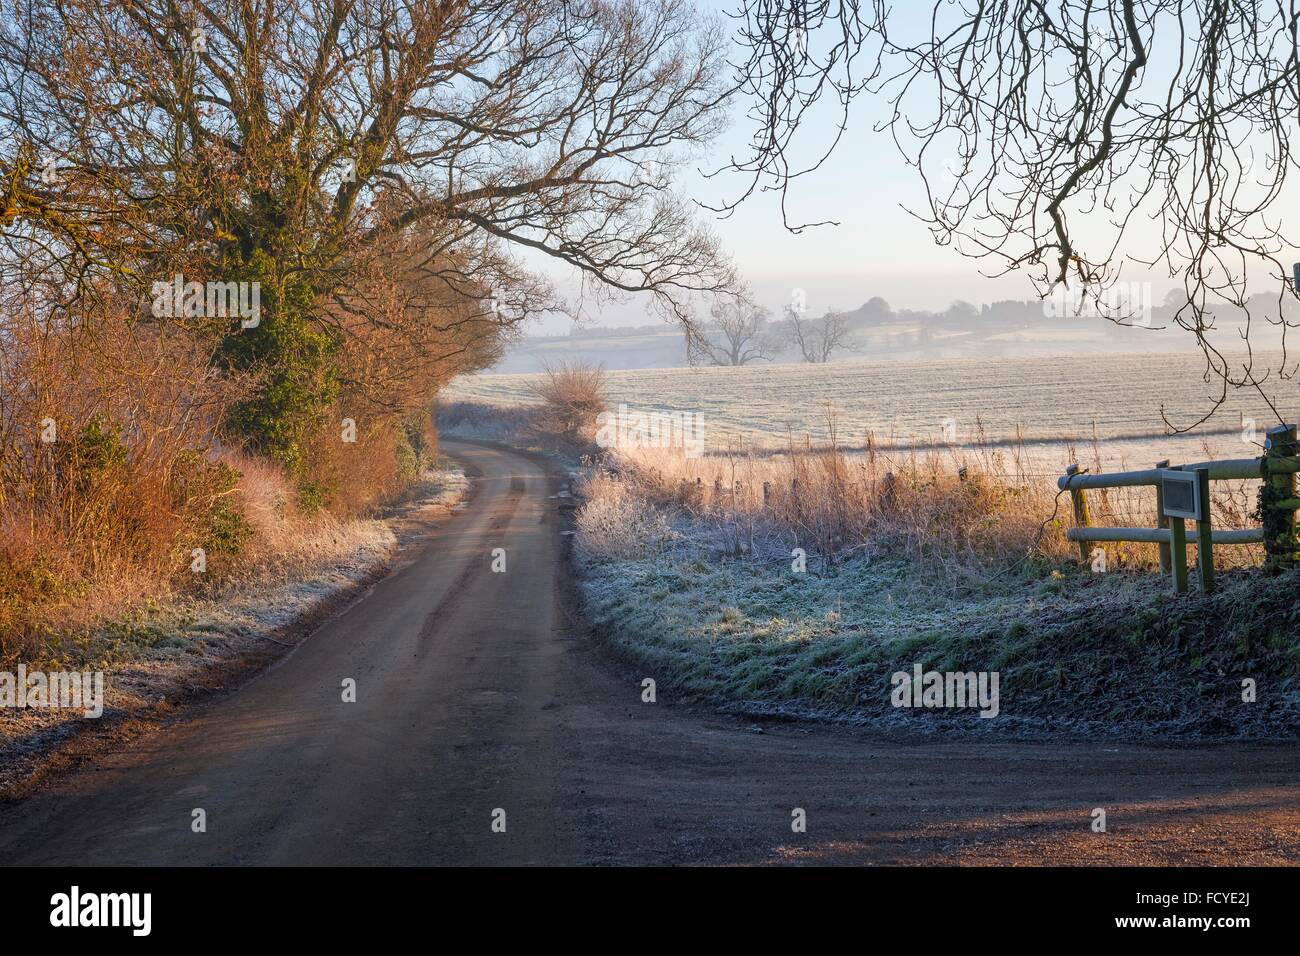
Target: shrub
(617, 522)
(572, 395)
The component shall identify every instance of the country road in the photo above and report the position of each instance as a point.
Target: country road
(477, 691)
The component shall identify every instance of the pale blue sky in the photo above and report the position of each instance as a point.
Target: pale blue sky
(878, 248)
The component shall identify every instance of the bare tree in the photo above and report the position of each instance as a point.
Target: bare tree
(1067, 140)
(818, 339)
(379, 167)
(142, 135)
(796, 55)
(737, 334)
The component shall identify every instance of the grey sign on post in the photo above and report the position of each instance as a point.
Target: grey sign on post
(1181, 495)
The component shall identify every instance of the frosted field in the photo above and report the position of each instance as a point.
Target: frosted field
(1055, 402)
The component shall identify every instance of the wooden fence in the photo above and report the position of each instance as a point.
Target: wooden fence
(1276, 468)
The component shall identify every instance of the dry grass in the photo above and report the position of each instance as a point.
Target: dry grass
(112, 474)
(964, 514)
(384, 457)
(285, 540)
(106, 480)
(617, 521)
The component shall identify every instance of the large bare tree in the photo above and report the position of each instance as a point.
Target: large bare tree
(311, 127)
(390, 171)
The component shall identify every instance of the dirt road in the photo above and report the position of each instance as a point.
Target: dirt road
(475, 694)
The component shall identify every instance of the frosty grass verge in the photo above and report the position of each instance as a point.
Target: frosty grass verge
(157, 652)
(1078, 653)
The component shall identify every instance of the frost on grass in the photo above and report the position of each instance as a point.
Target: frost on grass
(156, 652)
(618, 522)
(565, 437)
(1039, 400)
(1077, 652)
(756, 631)
(507, 423)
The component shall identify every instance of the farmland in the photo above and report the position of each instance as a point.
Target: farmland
(1057, 407)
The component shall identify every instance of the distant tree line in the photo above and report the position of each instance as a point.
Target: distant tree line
(738, 331)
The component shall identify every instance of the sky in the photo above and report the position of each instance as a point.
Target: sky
(878, 248)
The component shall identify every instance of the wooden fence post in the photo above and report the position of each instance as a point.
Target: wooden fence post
(1276, 499)
(1081, 519)
(1178, 547)
(1204, 536)
(1161, 520)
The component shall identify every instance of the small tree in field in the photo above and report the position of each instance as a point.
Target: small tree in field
(818, 339)
(737, 334)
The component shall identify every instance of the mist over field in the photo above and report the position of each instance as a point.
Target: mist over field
(1055, 326)
(1047, 404)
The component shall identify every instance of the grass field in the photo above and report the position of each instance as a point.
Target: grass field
(1051, 404)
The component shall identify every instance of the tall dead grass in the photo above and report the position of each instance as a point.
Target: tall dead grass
(107, 481)
(964, 513)
(834, 505)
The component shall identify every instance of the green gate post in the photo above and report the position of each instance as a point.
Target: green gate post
(1204, 536)
(1279, 488)
(1161, 520)
(1178, 549)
